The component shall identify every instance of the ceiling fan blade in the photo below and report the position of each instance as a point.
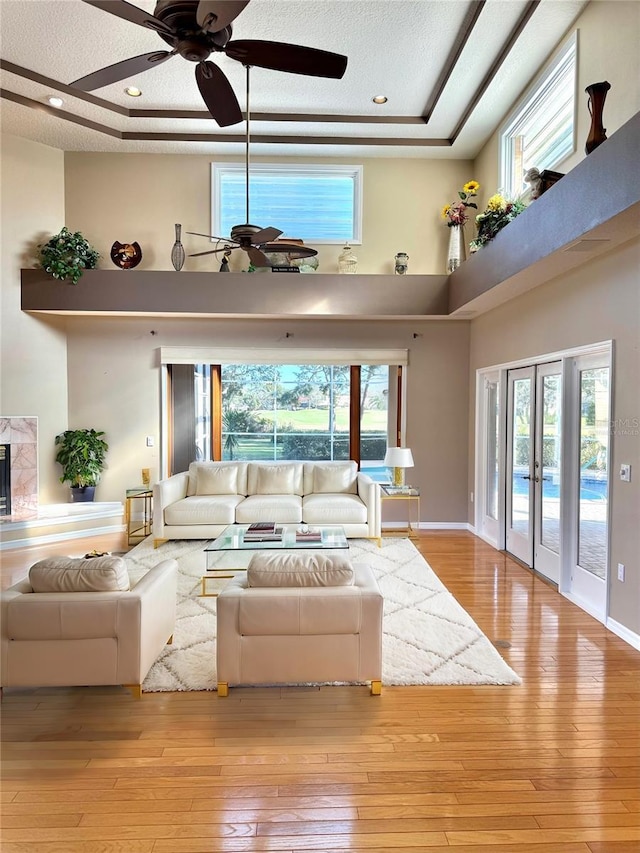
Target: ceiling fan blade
(293, 58)
(215, 15)
(211, 252)
(122, 70)
(212, 237)
(295, 251)
(258, 258)
(121, 9)
(266, 235)
(217, 94)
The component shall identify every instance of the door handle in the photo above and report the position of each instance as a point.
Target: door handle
(526, 477)
(536, 479)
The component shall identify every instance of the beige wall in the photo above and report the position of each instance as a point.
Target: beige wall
(597, 302)
(33, 378)
(114, 383)
(129, 197)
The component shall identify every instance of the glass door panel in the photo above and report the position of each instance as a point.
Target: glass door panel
(594, 474)
(492, 449)
(520, 464)
(548, 458)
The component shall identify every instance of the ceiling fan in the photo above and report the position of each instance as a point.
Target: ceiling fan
(197, 28)
(255, 241)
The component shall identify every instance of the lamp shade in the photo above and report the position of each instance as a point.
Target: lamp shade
(398, 457)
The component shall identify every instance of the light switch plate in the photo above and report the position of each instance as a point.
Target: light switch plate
(625, 473)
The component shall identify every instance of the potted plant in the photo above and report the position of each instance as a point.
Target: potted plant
(67, 255)
(81, 453)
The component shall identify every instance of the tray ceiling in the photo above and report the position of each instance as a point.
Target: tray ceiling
(450, 70)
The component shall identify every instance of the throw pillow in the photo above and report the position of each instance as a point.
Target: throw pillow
(217, 480)
(275, 480)
(69, 574)
(338, 478)
(296, 570)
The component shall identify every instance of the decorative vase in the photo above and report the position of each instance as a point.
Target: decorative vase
(597, 133)
(347, 261)
(177, 253)
(401, 263)
(456, 248)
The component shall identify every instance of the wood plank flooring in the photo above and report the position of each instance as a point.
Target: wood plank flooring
(551, 766)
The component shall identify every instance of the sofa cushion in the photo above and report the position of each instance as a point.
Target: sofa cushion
(79, 574)
(196, 467)
(333, 509)
(217, 480)
(279, 478)
(267, 569)
(283, 509)
(203, 509)
(335, 478)
(275, 480)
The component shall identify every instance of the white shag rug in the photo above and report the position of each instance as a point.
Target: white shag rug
(428, 638)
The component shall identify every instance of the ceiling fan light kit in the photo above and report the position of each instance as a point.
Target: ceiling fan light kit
(195, 29)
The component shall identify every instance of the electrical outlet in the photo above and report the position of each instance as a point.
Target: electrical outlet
(150, 441)
(621, 572)
(625, 473)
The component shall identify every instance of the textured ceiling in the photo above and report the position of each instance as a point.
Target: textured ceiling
(449, 68)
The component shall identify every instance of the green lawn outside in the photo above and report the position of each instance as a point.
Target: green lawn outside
(318, 419)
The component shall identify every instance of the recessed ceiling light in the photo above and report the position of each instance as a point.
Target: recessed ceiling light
(55, 101)
(380, 99)
(133, 91)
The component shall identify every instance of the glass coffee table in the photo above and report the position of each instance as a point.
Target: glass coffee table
(232, 540)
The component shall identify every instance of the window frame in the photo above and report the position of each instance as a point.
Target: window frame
(525, 107)
(219, 170)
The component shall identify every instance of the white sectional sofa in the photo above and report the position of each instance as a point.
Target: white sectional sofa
(201, 502)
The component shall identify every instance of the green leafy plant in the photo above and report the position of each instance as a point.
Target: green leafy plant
(67, 255)
(81, 453)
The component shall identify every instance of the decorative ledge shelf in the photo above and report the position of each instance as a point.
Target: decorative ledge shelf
(209, 294)
(591, 210)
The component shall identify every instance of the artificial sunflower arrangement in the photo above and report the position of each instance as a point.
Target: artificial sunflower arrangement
(499, 212)
(456, 213)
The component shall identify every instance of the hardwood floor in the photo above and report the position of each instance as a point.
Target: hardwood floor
(547, 767)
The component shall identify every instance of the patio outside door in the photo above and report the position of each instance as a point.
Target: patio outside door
(534, 441)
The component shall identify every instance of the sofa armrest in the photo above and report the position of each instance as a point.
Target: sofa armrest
(165, 493)
(369, 493)
(148, 614)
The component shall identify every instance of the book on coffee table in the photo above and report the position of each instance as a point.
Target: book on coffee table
(274, 535)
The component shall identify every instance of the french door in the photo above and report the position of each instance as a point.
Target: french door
(542, 468)
(534, 446)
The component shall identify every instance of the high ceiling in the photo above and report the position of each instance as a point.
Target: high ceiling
(450, 69)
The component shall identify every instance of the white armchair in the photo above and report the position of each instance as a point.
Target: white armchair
(87, 638)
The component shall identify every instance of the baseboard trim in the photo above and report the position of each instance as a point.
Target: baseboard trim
(429, 525)
(624, 633)
(47, 539)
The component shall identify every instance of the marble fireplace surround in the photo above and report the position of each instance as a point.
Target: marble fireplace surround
(21, 434)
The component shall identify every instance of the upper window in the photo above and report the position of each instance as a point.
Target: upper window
(317, 204)
(540, 131)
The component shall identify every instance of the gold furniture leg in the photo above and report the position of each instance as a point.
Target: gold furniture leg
(376, 688)
(136, 690)
(223, 688)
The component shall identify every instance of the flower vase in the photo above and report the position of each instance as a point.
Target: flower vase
(597, 133)
(177, 252)
(456, 248)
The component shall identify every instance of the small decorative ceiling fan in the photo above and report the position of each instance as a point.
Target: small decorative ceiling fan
(255, 241)
(197, 28)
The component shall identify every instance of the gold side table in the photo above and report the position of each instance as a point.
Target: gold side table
(403, 493)
(138, 528)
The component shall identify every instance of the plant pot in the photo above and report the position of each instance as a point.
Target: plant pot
(82, 493)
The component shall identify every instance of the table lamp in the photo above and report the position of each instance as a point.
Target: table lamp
(398, 458)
